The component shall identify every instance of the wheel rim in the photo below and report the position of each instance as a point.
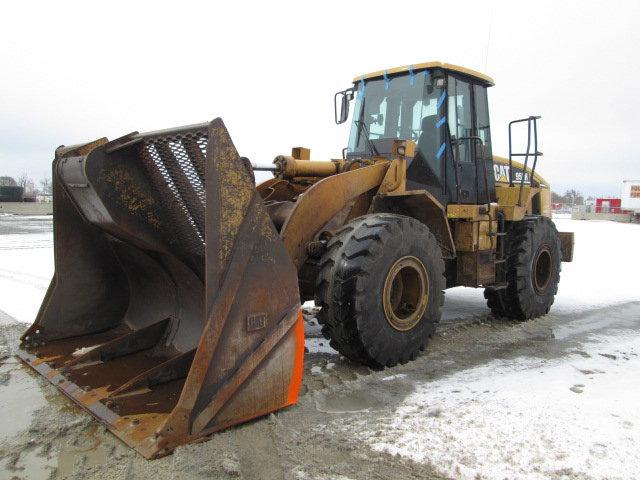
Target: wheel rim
(406, 293)
(542, 269)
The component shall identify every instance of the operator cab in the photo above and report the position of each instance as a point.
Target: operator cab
(443, 109)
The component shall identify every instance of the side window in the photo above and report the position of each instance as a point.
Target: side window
(482, 118)
(460, 117)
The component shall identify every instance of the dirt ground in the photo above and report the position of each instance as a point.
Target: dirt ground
(355, 423)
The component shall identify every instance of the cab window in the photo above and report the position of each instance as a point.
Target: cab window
(460, 117)
(482, 118)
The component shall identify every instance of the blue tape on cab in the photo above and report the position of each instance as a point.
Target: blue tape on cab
(440, 151)
(362, 87)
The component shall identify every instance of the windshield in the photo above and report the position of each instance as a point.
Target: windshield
(395, 108)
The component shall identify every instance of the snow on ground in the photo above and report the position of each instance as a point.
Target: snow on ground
(26, 264)
(528, 418)
(572, 417)
(605, 265)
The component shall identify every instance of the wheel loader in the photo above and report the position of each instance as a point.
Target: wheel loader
(175, 307)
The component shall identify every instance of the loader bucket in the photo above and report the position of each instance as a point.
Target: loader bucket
(174, 309)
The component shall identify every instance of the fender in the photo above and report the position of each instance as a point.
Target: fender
(422, 206)
(323, 201)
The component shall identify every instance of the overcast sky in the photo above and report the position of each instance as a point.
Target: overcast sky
(71, 72)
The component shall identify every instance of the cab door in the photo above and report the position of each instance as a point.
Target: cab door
(461, 128)
(470, 142)
(483, 152)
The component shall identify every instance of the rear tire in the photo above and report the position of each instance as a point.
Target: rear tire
(380, 288)
(533, 270)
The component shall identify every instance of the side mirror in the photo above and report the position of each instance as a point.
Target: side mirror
(345, 97)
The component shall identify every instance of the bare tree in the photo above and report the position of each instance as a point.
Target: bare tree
(7, 181)
(23, 179)
(26, 182)
(45, 186)
(556, 197)
(574, 197)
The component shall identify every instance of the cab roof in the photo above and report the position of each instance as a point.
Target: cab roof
(488, 81)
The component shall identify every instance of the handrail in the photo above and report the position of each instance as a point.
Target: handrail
(530, 120)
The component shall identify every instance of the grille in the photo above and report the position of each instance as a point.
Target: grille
(175, 163)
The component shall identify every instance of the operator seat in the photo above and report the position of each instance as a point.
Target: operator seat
(425, 167)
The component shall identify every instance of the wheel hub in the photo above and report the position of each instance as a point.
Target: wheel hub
(406, 293)
(542, 269)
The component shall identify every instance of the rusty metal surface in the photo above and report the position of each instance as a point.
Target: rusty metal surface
(278, 190)
(475, 268)
(323, 201)
(566, 246)
(174, 309)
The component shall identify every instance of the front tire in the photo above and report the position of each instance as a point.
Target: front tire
(533, 271)
(380, 288)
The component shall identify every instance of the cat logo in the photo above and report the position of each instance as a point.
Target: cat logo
(501, 174)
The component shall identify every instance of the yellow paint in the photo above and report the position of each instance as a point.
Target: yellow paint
(545, 202)
(470, 212)
(508, 198)
(301, 153)
(497, 160)
(236, 191)
(135, 199)
(406, 146)
(509, 195)
(422, 66)
(513, 212)
(473, 235)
